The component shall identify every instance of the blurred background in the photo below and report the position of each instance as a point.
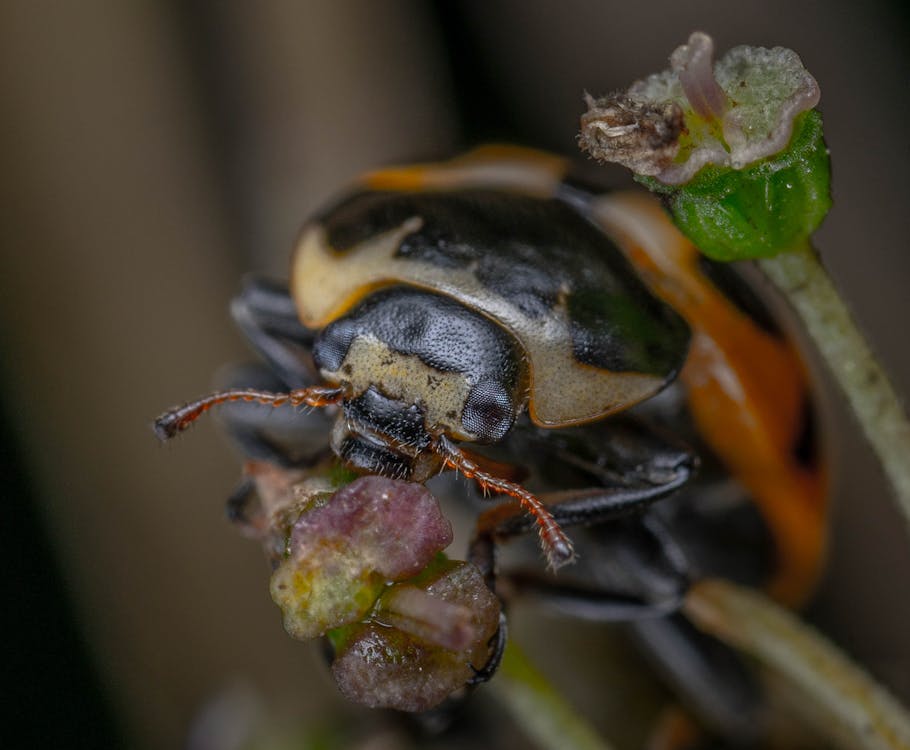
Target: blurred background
(154, 152)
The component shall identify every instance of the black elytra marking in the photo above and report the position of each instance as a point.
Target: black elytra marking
(534, 253)
(619, 333)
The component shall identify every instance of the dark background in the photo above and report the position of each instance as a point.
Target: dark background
(154, 152)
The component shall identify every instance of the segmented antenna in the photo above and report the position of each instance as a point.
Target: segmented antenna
(176, 420)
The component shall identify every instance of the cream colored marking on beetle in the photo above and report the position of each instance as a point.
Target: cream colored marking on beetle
(325, 284)
(406, 378)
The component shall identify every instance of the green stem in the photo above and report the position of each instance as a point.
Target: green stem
(539, 710)
(801, 277)
(844, 704)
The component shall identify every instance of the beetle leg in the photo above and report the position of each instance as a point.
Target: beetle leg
(501, 637)
(636, 567)
(712, 679)
(583, 507)
(639, 575)
(623, 451)
(238, 507)
(583, 602)
(266, 315)
(553, 540)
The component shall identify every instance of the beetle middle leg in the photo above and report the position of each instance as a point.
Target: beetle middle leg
(635, 568)
(265, 314)
(267, 317)
(632, 569)
(635, 574)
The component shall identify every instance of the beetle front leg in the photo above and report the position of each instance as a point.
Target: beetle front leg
(657, 470)
(486, 672)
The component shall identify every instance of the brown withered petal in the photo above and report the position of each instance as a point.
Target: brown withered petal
(640, 135)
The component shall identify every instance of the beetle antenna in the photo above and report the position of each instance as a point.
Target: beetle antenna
(176, 420)
(556, 545)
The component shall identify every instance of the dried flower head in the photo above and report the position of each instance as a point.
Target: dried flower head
(730, 114)
(639, 135)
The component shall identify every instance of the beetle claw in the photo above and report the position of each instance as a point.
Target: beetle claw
(559, 553)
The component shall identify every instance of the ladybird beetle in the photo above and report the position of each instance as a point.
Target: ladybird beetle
(442, 303)
(437, 306)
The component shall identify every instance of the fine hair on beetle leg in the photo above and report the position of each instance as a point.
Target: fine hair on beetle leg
(176, 420)
(556, 545)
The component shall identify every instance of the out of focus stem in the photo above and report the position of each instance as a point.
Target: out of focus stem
(844, 704)
(801, 277)
(542, 713)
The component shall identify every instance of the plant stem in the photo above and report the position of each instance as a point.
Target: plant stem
(541, 712)
(845, 705)
(801, 277)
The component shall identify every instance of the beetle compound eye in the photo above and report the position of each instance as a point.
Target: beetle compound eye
(488, 411)
(332, 345)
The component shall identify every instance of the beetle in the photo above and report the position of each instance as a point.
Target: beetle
(493, 302)
(441, 304)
